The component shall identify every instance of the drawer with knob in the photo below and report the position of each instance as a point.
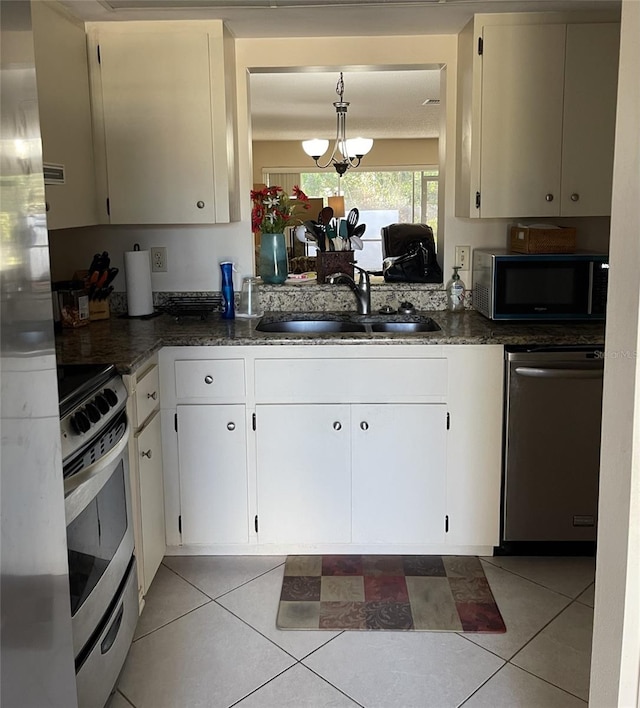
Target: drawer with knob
(147, 395)
(203, 380)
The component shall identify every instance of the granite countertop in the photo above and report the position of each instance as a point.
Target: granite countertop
(127, 343)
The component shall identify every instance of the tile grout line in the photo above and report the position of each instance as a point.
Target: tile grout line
(175, 619)
(208, 602)
(535, 582)
(298, 663)
(464, 636)
(484, 683)
(327, 680)
(195, 587)
(510, 661)
(118, 690)
(555, 617)
(258, 688)
(295, 658)
(564, 690)
(226, 592)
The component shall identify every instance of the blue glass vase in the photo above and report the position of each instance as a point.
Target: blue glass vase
(273, 259)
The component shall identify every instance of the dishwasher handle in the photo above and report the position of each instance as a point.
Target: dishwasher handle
(549, 373)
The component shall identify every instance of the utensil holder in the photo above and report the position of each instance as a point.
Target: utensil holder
(328, 262)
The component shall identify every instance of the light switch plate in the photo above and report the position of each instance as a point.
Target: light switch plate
(463, 257)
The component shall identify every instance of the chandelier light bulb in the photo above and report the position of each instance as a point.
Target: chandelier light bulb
(359, 146)
(315, 148)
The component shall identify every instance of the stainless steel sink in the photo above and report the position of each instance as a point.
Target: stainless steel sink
(405, 327)
(309, 326)
(338, 322)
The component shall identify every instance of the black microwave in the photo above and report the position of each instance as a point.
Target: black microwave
(540, 286)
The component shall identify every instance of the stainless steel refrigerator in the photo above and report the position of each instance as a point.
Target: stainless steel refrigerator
(37, 669)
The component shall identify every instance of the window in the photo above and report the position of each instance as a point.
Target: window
(382, 198)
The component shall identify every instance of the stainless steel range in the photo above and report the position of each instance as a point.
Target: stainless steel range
(102, 569)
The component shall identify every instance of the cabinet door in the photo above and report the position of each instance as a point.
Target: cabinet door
(304, 477)
(522, 93)
(156, 93)
(591, 83)
(398, 473)
(65, 115)
(151, 495)
(212, 458)
(474, 443)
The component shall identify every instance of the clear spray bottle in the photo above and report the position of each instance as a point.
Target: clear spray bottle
(228, 300)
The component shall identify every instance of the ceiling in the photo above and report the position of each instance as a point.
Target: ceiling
(308, 18)
(288, 106)
(291, 106)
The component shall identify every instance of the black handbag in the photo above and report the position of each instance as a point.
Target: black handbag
(418, 265)
(409, 251)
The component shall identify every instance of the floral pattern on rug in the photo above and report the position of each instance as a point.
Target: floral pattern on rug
(377, 592)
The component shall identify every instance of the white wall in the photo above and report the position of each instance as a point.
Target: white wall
(615, 668)
(193, 252)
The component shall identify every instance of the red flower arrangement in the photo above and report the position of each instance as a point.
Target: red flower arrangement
(273, 207)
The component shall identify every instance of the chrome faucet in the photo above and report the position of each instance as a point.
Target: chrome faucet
(361, 289)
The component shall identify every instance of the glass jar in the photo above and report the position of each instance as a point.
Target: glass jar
(249, 298)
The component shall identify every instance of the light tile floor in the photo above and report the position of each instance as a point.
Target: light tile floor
(207, 637)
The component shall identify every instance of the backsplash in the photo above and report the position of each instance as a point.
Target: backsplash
(312, 297)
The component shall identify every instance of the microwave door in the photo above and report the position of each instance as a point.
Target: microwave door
(551, 289)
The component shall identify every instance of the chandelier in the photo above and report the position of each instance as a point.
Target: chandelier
(351, 151)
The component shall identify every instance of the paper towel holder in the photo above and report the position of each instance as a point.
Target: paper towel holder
(148, 315)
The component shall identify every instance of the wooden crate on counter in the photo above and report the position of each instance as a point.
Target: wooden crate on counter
(529, 239)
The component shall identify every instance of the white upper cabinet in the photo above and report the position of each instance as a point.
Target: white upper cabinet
(522, 83)
(65, 114)
(161, 94)
(537, 117)
(588, 130)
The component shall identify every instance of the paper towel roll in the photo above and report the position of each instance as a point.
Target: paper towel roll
(137, 271)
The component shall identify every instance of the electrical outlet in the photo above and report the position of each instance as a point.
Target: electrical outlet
(159, 259)
(463, 257)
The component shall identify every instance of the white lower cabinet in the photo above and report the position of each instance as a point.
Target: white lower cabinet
(398, 469)
(146, 472)
(148, 451)
(366, 474)
(333, 449)
(303, 473)
(212, 457)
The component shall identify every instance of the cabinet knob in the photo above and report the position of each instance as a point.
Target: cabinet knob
(364, 425)
(208, 379)
(337, 425)
(153, 395)
(47, 206)
(231, 426)
(146, 454)
(200, 205)
(575, 197)
(549, 197)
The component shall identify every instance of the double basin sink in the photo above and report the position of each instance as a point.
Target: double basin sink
(345, 323)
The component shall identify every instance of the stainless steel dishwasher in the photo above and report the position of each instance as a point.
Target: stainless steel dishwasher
(553, 412)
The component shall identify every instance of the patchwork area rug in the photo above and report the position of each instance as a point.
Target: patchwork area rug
(436, 593)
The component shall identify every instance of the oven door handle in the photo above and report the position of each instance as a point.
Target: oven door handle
(91, 478)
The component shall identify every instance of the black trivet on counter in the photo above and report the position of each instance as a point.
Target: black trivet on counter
(192, 306)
